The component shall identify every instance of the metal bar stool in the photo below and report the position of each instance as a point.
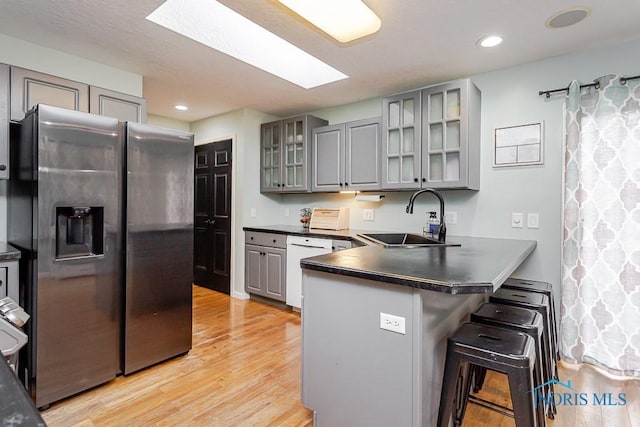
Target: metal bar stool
(498, 349)
(519, 320)
(540, 303)
(541, 288)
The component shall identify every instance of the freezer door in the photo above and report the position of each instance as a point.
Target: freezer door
(159, 245)
(75, 293)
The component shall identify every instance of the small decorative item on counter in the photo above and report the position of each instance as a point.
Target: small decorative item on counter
(305, 216)
(434, 224)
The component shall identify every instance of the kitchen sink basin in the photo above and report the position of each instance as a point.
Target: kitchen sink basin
(403, 240)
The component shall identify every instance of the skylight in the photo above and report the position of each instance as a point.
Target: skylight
(219, 27)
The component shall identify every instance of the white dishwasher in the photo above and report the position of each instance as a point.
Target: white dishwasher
(299, 247)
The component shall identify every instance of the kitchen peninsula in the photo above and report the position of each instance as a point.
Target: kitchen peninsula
(354, 372)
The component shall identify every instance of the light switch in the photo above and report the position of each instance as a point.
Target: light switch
(252, 212)
(516, 220)
(533, 220)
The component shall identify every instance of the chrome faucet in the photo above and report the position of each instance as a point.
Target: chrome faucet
(442, 233)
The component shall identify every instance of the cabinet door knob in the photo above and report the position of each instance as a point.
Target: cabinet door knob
(3, 167)
(424, 179)
(415, 179)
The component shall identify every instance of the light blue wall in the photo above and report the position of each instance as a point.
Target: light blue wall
(243, 127)
(33, 57)
(168, 123)
(509, 97)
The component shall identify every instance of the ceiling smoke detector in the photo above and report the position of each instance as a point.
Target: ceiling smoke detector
(567, 17)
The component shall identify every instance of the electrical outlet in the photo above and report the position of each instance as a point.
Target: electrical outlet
(286, 211)
(533, 220)
(392, 323)
(451, 217)
(368, 215)
(253, 212)
(516, 220)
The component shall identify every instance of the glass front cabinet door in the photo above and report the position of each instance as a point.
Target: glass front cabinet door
(401, 141)
(294, 154)
(285, 154)
(270, 157)
(451, 135)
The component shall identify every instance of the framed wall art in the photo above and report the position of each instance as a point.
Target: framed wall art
(518, 145)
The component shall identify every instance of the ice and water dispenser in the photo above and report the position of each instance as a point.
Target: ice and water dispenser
(79, 231)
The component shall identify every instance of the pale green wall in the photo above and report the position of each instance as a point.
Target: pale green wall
(33, 57)
(509, 97)
(243, 126)
(168, 123)
(27, 55)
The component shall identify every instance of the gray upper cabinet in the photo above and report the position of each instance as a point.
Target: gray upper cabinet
(4, 121)
(401, 128)
(431, 138)
(29, 88)
(121, 106)
(451, 135)
(346, 156)
(270, 157)
(328, 154)
(285, 154)
(362, 155)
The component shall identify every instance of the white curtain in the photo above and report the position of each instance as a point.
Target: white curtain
(600, 309)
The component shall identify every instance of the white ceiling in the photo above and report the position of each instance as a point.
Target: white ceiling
(421, 42)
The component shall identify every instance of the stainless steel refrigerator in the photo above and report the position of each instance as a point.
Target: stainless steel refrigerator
(102, 212)
(159, 245)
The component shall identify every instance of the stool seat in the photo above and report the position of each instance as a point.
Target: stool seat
(508, 314)
(505, 345)
(542, 288)
(540, 303)
(533, 285)
(498, 349)
(520, 320)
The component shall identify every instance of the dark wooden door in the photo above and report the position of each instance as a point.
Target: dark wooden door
(212, 222)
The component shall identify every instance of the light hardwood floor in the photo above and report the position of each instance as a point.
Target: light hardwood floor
(244, 370)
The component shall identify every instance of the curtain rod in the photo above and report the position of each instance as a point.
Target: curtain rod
(547, 93)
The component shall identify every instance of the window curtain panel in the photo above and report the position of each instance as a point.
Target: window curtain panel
(600, 308)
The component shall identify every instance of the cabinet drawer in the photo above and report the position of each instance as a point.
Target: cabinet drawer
(266, 239)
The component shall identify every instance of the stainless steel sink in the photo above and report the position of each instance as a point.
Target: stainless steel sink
(403, 240)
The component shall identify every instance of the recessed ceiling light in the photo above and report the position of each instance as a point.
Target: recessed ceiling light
(181, 107)
(219, 27)
(567, 17)
(344, 20)
(489, 41)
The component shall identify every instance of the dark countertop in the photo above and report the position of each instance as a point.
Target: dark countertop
(479, 265)
(297, 230)
(16, 407)
(8, 252)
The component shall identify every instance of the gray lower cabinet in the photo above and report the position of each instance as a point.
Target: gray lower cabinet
(29, 88)
(265, 265)
(285, 154)
(346, 156)
(4, 121)
(121, 106)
